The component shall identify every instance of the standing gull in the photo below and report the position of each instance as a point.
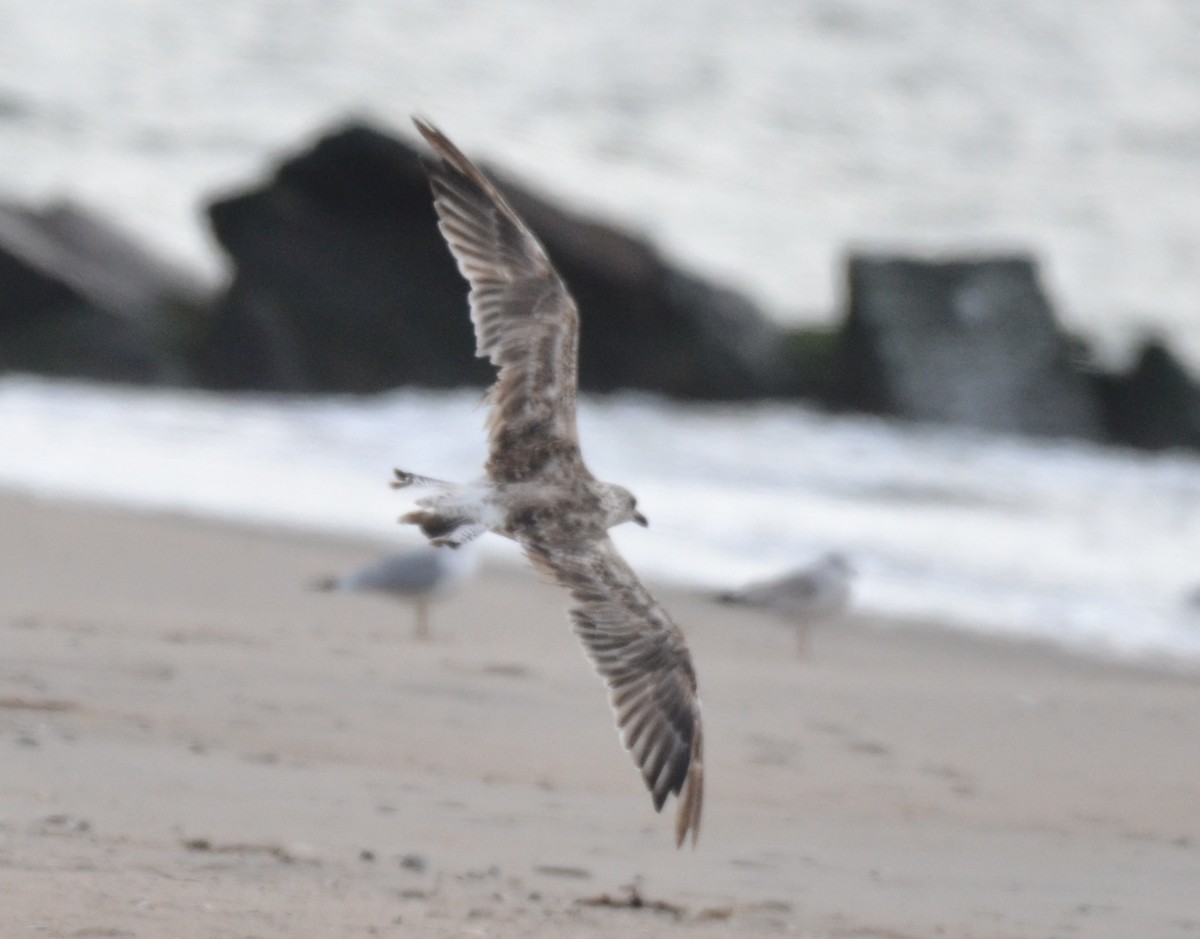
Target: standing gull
(422, 575)
(537, 490)
(810, 595)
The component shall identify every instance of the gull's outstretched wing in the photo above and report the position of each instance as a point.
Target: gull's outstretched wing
(525, 320)
(642, 656)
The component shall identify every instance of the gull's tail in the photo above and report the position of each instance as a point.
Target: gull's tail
(449, 518)
(405, 479)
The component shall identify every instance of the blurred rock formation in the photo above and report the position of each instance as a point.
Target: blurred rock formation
(962, 341)
(340, 282)
(343, 283)
(81, 299)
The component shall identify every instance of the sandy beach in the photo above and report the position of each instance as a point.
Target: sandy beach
(193, 744)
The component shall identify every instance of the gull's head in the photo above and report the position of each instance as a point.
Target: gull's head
(620, 505)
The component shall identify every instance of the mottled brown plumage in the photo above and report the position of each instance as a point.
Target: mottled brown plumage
(525, 321)
(538, 491)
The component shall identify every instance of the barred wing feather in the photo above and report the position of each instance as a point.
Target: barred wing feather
(642, 656)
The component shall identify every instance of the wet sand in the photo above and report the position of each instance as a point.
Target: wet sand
(193, 744)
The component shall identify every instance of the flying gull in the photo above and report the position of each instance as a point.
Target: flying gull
(810, 595)
(537, 490)
(421, 575)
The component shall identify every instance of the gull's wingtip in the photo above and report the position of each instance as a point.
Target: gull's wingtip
(691, 800)
(430, 131)
(448, 155)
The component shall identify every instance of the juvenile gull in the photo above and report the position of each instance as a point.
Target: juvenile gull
(810, 595)
(537, 490)
(422, 575)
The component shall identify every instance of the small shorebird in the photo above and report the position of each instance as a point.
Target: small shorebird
(421, 576)
(814, 594)
(537, 490)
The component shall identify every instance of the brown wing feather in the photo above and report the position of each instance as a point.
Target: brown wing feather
(525, 320)
(642, 656)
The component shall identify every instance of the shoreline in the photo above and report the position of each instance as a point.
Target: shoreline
(194, 744)
(976, 640)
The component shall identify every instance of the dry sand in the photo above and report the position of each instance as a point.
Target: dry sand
(192, 744)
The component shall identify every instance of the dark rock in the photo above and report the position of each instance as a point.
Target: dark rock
(250, 345)
(649, 326)
(78, 298)
(971, 342)
(813, 357)
(343, 283)
(339, 270)
(1155, 405)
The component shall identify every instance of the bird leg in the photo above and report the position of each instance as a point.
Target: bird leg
(422, 632)
(802, 630)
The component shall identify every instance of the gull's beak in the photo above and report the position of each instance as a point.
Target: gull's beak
(641, 519)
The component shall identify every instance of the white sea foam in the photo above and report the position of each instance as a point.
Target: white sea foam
(1089, 547)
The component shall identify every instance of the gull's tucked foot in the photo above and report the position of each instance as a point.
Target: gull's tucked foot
(445, 531)
(460, 536)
